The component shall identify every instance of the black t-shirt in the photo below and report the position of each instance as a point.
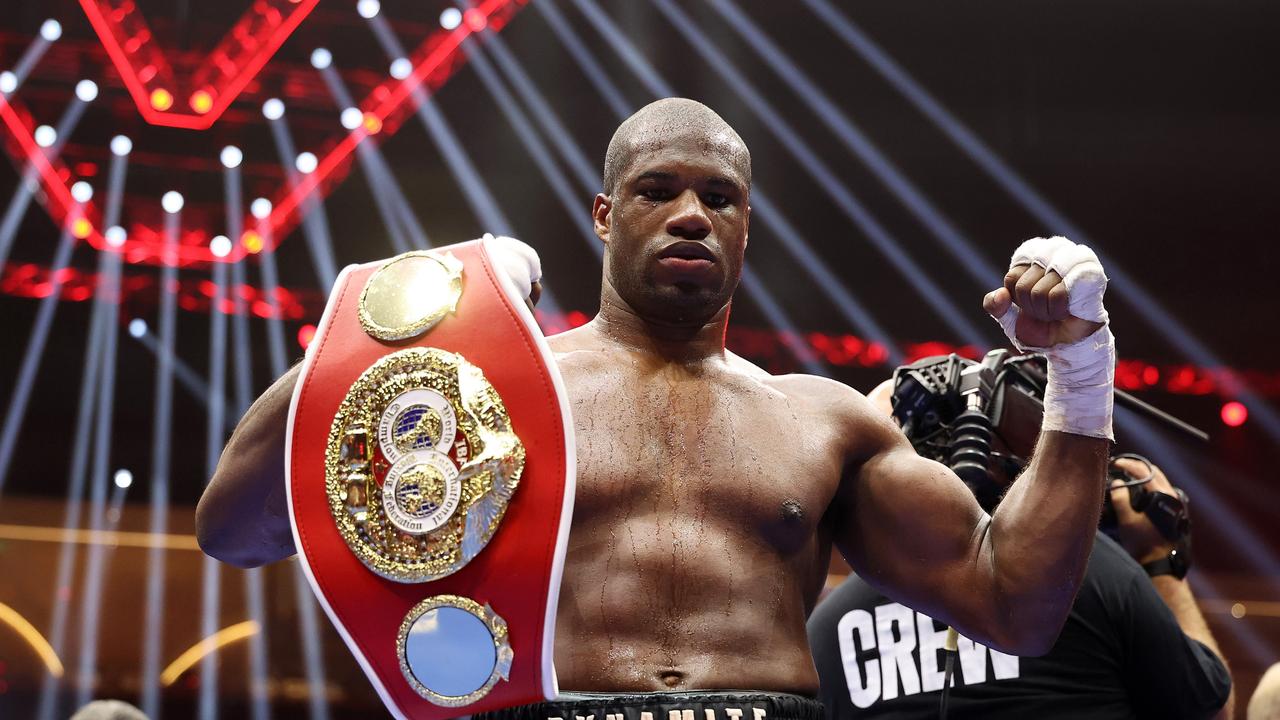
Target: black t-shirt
(1121, 654)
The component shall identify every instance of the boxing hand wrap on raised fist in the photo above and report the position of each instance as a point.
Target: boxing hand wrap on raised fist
(1051, 303)
(519, 261)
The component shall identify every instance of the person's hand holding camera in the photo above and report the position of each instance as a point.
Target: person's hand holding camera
(1138, 535)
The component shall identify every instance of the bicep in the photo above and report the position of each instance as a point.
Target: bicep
(242, 517)
(909, 526)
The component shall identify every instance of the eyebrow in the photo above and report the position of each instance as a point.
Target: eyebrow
(655, 175)
(715, 180)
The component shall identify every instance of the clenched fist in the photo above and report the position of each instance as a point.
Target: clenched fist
(1051, 302)
(1052, 294)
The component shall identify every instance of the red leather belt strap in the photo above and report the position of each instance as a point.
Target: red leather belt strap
(518, 573)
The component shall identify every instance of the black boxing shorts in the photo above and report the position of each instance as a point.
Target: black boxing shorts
(712, 705)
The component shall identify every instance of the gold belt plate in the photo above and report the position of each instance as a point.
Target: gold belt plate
(420, 464)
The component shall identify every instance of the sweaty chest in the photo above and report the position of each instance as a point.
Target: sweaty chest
(702, 450)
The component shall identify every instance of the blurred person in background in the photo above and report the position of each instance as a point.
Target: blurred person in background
(1265, 703)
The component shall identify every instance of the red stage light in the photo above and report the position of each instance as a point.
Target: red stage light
(161, 99)
(1234, 414)
(201, 101)
(154, 82)
(306, 334)
(474, 19)
(232, 64)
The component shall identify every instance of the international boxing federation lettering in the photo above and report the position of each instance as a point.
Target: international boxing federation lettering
(754, 713)
(906, 645)
(419, 419)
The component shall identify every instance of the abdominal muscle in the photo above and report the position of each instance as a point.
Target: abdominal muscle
(648, 605)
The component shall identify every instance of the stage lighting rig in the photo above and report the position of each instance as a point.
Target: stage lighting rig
(223, 94)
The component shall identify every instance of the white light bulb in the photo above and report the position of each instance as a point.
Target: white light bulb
(8, 82)
(171, 202)
(400, 68)
(137, 327)
(82, 192)
(121, 145)
(45, 136)
(115, 236)
(123, 478)
(450, 18)
(321, 58)
(220, 246)
(87, 90)
(273, 109)
(351, 118)
(368, 9)
(231, 157)
(306, 162)
(51, 30)
(260, 208)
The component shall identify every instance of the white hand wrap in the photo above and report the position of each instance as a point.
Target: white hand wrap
(1079, 395)
(519, 261)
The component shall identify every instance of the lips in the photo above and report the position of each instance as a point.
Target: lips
(687, 261)
(687, 250)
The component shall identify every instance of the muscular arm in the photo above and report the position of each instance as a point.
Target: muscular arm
(243, 516)
(913, 529)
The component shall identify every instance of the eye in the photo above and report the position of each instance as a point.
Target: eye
(715, 200)
(655, 193)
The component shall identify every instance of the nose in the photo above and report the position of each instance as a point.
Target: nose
(688, 219)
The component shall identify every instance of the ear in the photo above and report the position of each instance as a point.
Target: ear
(600, 210)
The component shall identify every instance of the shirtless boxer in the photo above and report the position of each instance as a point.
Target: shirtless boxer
(710, 492)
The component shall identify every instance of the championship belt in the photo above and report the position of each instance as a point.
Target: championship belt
(430, 472)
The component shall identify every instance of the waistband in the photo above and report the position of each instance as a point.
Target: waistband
(709, 705)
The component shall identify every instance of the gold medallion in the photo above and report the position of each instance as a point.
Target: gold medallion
(420, 465)
(453, 650)
(409, 294)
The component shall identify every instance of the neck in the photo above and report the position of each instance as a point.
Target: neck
(692, 342)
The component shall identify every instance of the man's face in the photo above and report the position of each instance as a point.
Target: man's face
(676, 229)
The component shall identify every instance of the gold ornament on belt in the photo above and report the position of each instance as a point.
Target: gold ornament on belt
(409, 294)
(420, 465)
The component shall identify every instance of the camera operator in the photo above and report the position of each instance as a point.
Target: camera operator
(1134, 645)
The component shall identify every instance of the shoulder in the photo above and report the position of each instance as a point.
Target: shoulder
(580, 353)
(834, 396)
(578, 338)
(1113, 571)
(835, 403)
(1111, 580)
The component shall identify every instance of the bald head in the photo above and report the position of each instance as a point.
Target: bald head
(661, 121)
(108, 710)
